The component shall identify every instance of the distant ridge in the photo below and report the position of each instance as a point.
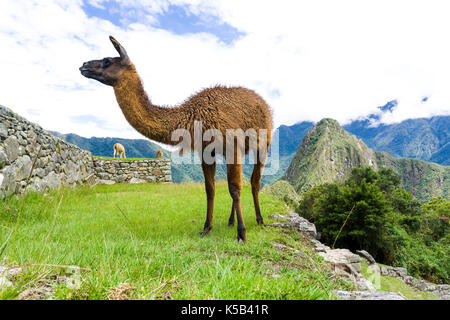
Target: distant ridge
(426, 139)
(135, 148)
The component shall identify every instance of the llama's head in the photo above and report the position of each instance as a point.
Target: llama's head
(107, 70)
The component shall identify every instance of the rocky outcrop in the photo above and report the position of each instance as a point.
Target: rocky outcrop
(293, 220)
(397, 272)
(6, 273)
(369, 295)
(342, 256)
(367, 256)
(43, 288)
(57, 162)
(347, 264)
(341, 261)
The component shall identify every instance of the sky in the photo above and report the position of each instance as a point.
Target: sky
(307, 59)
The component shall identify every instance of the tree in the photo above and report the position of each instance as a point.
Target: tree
(383, 219)
(368, 207)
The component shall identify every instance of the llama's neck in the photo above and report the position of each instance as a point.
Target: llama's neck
(154, 122)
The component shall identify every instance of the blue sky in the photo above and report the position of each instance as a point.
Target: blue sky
(307, 59)
(176, 19)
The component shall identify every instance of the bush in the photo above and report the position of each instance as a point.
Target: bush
(369, 211)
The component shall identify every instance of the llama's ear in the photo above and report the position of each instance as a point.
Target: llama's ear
(125, 60)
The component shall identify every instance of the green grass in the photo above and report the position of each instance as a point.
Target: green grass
(148, 236)
(123, 159)
(393, 284)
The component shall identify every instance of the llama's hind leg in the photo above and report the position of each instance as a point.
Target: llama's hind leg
(256, 185)
(234, 177)
(209, 171)
(231, 219)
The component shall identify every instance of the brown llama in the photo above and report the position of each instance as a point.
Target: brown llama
(219, 108)
(119, 149)
(158, 154)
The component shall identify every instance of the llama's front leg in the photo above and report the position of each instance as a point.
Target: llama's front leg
(234, 176)
(231, 219)
(209, 171)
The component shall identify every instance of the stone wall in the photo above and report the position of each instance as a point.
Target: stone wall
(345, 263)
(59, 163)
(112, 171)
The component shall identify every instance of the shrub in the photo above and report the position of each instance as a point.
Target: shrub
(383, 219)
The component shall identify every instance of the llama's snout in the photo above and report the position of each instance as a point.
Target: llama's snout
(83, 67)
(86, 70)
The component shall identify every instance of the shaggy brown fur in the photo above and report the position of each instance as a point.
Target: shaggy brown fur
(219, 108)
(158, 154)
(119, 150)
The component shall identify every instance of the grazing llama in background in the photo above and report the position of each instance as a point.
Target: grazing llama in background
(219, 108)
(120, 150)
(158, 154)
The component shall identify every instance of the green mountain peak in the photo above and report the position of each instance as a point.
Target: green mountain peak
(328, 153)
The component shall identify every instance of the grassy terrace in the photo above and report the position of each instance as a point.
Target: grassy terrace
(148, 237)
(393, 284)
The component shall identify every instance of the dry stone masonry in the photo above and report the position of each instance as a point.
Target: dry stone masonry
(60, 163)
(112, 171)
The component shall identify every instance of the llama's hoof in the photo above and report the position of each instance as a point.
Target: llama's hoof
(230, 223)
(241, 237)
(205, 232)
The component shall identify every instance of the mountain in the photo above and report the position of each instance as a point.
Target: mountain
(291, 137)
(423, 179)
(442, 156)
(328, 153)
(425, 138)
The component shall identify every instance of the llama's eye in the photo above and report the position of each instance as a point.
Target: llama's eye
(106, 63)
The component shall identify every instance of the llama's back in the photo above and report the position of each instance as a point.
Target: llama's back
(118, 147)
(230, 108)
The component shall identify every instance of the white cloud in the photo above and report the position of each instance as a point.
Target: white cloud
(308, 59)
